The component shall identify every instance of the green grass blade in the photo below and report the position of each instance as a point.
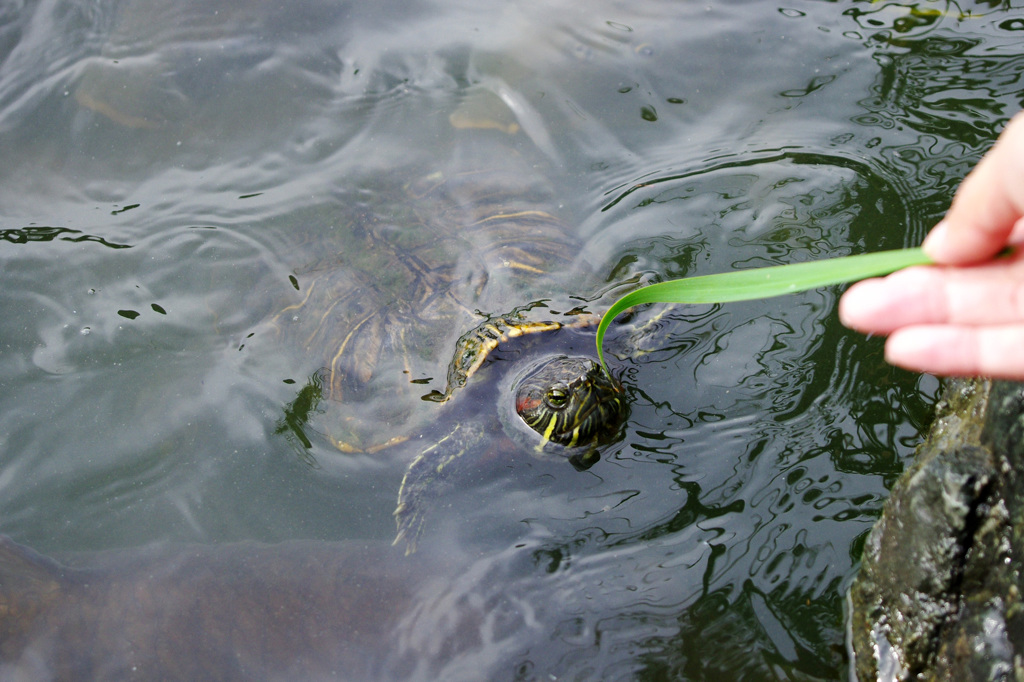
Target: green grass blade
(757, 283)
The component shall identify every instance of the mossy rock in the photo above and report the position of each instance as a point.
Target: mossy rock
(938, 593)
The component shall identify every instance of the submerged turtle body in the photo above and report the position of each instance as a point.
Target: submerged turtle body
(425, 283)
(406, 273)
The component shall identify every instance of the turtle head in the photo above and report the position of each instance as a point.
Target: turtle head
(571, 401)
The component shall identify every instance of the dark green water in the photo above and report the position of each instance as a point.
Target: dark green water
(166, 169)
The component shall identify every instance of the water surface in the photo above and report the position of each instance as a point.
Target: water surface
(170, 168)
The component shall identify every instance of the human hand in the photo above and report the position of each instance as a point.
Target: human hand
(951, 319)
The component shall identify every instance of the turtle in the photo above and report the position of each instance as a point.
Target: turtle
(438, 271)
(567, 405)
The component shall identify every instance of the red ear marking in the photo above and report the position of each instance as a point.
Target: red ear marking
(525, 402)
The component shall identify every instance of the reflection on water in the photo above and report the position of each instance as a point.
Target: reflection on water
(242, 150)
(23, 235)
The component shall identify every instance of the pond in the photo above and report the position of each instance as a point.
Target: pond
(179, 174)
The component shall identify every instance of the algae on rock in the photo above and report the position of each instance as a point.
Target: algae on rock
(938, 593)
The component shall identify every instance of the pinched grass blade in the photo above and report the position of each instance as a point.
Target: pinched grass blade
(757, 283)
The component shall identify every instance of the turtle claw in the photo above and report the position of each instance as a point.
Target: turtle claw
(409, 517)
(409, 529)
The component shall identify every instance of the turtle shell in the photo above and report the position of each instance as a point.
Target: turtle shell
(408, 272)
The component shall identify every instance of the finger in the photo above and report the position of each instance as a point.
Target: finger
(959, 351)
(987, 205)
(880, 306)
(982, 295)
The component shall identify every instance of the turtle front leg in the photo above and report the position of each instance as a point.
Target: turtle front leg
(427, 478)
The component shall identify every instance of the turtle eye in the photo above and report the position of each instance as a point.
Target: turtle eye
(556, 397)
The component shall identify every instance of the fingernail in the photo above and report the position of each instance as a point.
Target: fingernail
(905, 347)
(922, 349)
(858, 303)
(934, 243)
